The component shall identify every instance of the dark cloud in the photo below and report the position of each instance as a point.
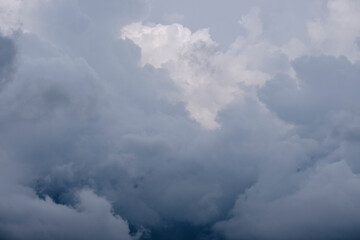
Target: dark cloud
(324, 84)
(7, 60)
(25, 216)
(95, 146)
(316, 197)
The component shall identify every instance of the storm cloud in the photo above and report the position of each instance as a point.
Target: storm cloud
(179, 120)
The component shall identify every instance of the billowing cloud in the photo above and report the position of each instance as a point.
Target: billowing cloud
(25, 216)
(179, 120)
(208, 79)
(337, 33)
(320, 188)
(9, 17)
(324, 205)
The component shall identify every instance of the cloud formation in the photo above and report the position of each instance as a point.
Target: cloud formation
(207, 79)
(320, 188)
(144, 120)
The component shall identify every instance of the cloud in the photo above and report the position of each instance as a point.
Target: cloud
(9, 20)
(322, 207)
(324, 86)
(208, 80)
(337, 32)
(7, 60)
(252, 23)
(25, 216)
(28, 97)
(224, 130)
(305, 196)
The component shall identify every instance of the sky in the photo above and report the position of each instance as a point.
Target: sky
(172, 120)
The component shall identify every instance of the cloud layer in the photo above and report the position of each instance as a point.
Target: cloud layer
(179, 120)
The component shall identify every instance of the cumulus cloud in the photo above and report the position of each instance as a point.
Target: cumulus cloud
(323, 206)
(244, 128)
(320, 187)
(337, 32)
(25, 216)
(252, 23)
(208, 80)
(9, 17)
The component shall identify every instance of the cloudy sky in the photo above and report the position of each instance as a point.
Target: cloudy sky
(179, 120)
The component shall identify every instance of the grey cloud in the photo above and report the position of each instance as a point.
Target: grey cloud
(25, 216)
(7, 60)
(75, 122)
(311, 194)
(312, 211)
(80, 113)
(325, 86)
(215, 15)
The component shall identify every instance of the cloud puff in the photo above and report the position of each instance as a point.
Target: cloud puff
(9, 20)
(25, 216)
(208, 80)
(337, 33)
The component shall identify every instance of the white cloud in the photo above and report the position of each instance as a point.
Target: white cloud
(338, 31)
(10, 16)
(161, 44)
(252, 23)
(208, 79)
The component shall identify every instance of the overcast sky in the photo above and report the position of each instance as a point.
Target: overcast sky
(179, 120)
